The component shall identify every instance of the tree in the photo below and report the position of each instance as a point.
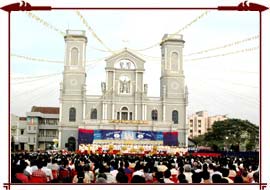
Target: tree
(230, 134)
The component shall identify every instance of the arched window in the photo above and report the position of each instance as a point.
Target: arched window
(124, 113)
(93, 113)
(174, 61)
(175, 116)
(74, 56)
(72, 114)
(154, 115)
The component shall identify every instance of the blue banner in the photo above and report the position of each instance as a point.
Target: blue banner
(111, 134)
(145, 135)
(97, 134)
(168, 138)
(159, 136)
(128, 135)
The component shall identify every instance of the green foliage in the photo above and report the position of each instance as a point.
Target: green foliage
(230, 133)
(249, 146)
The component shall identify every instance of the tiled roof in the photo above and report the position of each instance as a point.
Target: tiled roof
(46, 110)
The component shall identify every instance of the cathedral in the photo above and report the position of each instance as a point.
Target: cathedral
(124, 113)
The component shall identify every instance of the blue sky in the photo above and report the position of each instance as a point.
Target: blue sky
(221, 85)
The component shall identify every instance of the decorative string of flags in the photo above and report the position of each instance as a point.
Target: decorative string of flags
(35, 77)
(147, 56)
(192, 22)
(50, 26)
(224, 54)
(92, 31)
(43, 22)
(225, 46)
(178, 31)
(89, 62)
(35, 59)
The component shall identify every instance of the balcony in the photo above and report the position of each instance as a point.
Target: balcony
(47, 139)
(22, 139)
(31, 131)
(129, 122)
(48, 126)
(133, 125)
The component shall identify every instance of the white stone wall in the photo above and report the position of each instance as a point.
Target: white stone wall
(112, 100)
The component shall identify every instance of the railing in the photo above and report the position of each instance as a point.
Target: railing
(23, 139)
(75, 32)
(135, 122)
(47, 123)
(31, 131)
(46, 126)
(20, 139)
(47, 139)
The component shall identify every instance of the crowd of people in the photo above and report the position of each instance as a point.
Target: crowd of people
(104, 168)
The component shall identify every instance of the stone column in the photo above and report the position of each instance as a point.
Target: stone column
(112, 111)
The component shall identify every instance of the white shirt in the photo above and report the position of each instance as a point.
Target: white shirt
(167, 180)
(138, 172)
(48, 173)
(28, 169)
(34, 168)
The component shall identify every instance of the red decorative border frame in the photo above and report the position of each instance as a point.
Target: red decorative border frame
(243, 6)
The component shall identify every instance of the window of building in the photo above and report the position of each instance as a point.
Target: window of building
(34, 141)
(124, 116)
(74, 56)
(51, 121)
(191, 131)
(175, 116)
(130, 115)
(174, 61)
(22, 131)
(154, 115)
(124, 113)
(72, 114)
(199, 131)
(94, 113)
(199, 123)
(41, 132)
(118, 115)
(41, 121)
(51, 133)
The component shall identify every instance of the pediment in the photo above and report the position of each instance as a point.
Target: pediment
(127, 56)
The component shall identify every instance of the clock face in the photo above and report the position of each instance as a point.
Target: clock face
(174, 85)
(73, 82)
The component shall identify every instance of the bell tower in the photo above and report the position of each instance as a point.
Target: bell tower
(73, 86)
(172, 75)
(173, 92)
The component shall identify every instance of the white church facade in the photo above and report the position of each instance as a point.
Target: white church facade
(124, 112)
